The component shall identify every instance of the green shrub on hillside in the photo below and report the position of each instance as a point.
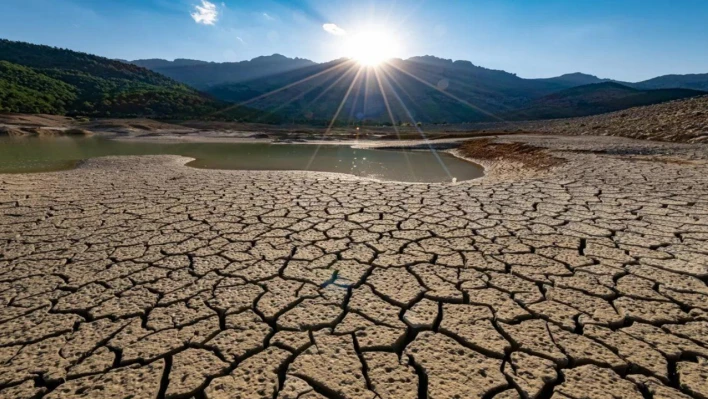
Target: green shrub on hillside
(24, 90)
(42, 79)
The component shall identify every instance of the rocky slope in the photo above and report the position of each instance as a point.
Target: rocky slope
(679, 121)
(595, 99)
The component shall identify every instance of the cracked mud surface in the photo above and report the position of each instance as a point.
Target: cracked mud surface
(140, 277)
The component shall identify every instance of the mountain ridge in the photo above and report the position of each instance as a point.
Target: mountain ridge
(428, 57)
(698, 81)
(203, 74)
(177, 67)
(578, 78)
(595, 99)
(425, 89)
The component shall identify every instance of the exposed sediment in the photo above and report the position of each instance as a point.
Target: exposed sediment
(141, 277)
(684, 121)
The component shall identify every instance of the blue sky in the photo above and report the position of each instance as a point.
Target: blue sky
(622, 39)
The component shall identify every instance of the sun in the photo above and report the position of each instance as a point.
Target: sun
(371, 48)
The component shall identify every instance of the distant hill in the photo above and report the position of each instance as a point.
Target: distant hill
(202, 75)
(23, 89)
(43, 79)
(157, 63)
(434, 90)
(596, 99)
(575, 79)
(691, 81)
(276, 88)
(50, 80)
(425, 89)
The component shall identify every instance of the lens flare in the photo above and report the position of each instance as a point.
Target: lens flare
(371, 48)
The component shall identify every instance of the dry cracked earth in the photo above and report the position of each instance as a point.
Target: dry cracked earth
(144, 278)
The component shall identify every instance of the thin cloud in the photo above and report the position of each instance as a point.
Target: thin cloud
(240, 40)
(206, 14)
(268, 17)
(305, 8)
(334, 29)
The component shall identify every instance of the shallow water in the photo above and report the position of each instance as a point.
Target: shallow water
(34, 154)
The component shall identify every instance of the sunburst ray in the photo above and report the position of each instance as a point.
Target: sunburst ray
(301, 95)
(454, 97)
(393, 122)
(278, 90)
(418, 128)
(334, 118)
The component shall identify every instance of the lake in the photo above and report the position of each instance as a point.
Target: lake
(41, 154)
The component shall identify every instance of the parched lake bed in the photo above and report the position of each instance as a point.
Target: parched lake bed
(24, 155)
(136, 276)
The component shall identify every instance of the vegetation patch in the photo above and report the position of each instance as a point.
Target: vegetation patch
(46, 80)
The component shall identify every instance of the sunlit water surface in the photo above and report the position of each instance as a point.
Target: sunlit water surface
(34, 154)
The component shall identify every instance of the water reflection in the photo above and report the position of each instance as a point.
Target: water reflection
(23, 155)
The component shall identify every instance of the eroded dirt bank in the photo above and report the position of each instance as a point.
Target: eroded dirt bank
(139, 276)
(682, 121)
